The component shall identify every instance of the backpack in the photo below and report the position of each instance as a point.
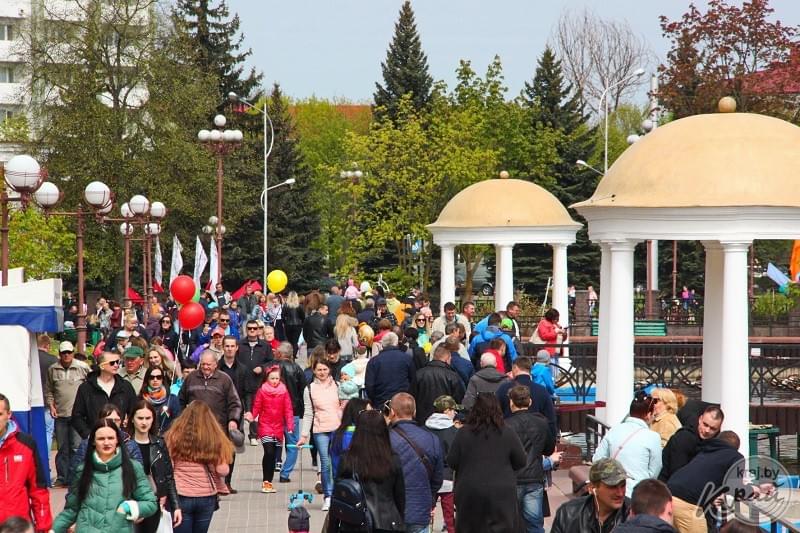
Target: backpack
(348, 504)
(299, 519)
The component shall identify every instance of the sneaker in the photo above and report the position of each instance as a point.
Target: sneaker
(267, 487)
(231, 490)
(326, 504)
(318, 487)
(278, 466)
(284, 480)
(59, 484)
(253, 442)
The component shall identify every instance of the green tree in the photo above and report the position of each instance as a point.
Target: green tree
(40, 244)
(405, 71)
(561, 134)
(128, 116)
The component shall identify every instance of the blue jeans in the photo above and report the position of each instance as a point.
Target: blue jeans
(291, 453)
(197, 513)
(417, 528)
(49, 428)
(322, 441)
(530, 497)
(68, 442)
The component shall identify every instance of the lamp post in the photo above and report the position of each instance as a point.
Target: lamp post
(354, 176)
(23, 175)
(604, 97)
(98, 197)
(212, 229)
(220, 142)
(233, 97)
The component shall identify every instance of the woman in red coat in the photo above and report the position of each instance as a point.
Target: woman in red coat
(272, 407)
(549, 330)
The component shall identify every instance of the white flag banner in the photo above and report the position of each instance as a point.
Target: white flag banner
(158, 275)
(213, 267)
(177, 260)
(200, 261)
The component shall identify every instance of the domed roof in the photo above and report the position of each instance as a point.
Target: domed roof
(715, 160)
(501, 202)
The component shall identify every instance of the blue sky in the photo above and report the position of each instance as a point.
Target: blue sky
(334, 48)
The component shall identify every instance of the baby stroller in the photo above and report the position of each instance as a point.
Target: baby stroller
(299, 519)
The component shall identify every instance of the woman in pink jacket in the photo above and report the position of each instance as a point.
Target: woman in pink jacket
(272, 407)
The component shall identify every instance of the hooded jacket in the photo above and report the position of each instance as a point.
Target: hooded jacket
(272, 408)
(91, 398)
(706, 471)
(487, 379)
(97, 513)
(442, 426)
(23, 481)
(485, 337)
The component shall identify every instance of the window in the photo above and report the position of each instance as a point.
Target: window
(6, 32)
(6, 113)
(7, 74)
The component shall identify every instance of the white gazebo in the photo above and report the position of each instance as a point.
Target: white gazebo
(504, 212)
(724, 179)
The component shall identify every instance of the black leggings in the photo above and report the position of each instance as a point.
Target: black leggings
(268, 461)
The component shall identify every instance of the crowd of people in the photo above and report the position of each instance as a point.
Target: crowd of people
(402, 409)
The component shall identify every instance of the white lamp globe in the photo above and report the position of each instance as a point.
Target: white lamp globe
(125, 211)
(221, 229)
(152, 228)
(203, 136)
(215, 136)
(358, 174)
(290, 181)
(97, 194)
(207, 230)
(212, 220)
(47, 194)
(158, 210)
(632, 138)
(238, 136)
(106, 209)
(229, 136)
(220, 121)
(23, 173)
(139, 205)
(126, 229)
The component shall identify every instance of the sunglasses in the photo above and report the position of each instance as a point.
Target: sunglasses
(251, 328)
(420, 320)
(115, 362)
(156, 376)
(166, 322)
(224, 320)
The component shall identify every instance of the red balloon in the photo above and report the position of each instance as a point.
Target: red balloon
(191, 315)
(182, 289)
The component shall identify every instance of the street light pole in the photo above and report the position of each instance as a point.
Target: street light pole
(604, 98)
(233, 97)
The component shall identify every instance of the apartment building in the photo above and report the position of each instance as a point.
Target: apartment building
(13, 15)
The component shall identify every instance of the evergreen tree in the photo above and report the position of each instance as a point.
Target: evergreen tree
(294, 223)
(405, 69)
(554, 106)
(215, 40)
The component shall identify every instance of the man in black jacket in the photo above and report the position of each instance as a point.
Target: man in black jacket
(230, 365)
(687, 441)
(536, 439)
(255, 355)
(651, 509)
(317, 329)
(295, 382)
(541, 402)
(603, 508)
(389, 372)
(435, 379)
(101, 387)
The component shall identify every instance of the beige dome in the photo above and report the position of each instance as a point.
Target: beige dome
(716, 160)
(498, 203)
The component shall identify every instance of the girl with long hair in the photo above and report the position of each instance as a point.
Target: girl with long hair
(420, 323)
(343, 435)
(200, 451)
(272, 407)
(293, 316)
(157, 356)
(371, 460)
(156, 392)
(157, 464)
(484, 455)
(111, 491)
(345, 332)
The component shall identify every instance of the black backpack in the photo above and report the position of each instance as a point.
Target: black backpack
(299, 519)
(348, 504)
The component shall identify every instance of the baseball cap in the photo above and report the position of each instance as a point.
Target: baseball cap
(218, 331)
(506, 324)
(380, 301)
(133, 352)
(122, 334)
(608, 471)
(444, 402)
(66, 346)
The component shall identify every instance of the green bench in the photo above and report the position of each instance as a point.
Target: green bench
(641, 328)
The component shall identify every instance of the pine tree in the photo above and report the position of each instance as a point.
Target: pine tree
(405, 69)
(553, 105)
(218, 48)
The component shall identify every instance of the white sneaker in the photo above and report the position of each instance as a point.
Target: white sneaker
(326, 504)
(253, 442)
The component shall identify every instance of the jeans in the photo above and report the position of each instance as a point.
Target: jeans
(322, 442)
(197, 513)
(291, 453)
(49, 428)
(247, 406)
(68, 442)
(417, 528)
(530, 497)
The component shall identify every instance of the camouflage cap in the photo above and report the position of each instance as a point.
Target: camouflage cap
(608, 471)
(444, 402)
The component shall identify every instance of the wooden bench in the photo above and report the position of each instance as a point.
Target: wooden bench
(641, 328)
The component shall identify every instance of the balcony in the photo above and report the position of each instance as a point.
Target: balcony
(11, 93)
(15, 9)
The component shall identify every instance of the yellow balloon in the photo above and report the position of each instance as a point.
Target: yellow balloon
(277, 280)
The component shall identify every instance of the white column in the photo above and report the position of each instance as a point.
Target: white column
(498, 279)
(448, 276)
(712, 323)
(504, 293)
(560, 282)
(653, 245)
(601, 374)
(734, 365)
(619, 330)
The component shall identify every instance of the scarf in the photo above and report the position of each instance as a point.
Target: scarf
(156, 396)
(274, 391)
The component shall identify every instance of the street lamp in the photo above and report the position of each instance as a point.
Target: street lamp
(233, 97)
(99, 198)
(220, 142)
(604, 97)
(23, 175)
(582, 163)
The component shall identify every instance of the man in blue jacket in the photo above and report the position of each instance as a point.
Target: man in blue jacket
(421, 454)
(480, 342)
(541, 400)
(389, 372)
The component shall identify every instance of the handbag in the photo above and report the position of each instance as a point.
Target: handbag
(349, 505)
(165, 524)
(535, 338)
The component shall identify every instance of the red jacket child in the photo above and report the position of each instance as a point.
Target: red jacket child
(272, 407)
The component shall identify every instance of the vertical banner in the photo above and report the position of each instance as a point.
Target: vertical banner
(200, 261)
(177, 260)
(213, 267)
